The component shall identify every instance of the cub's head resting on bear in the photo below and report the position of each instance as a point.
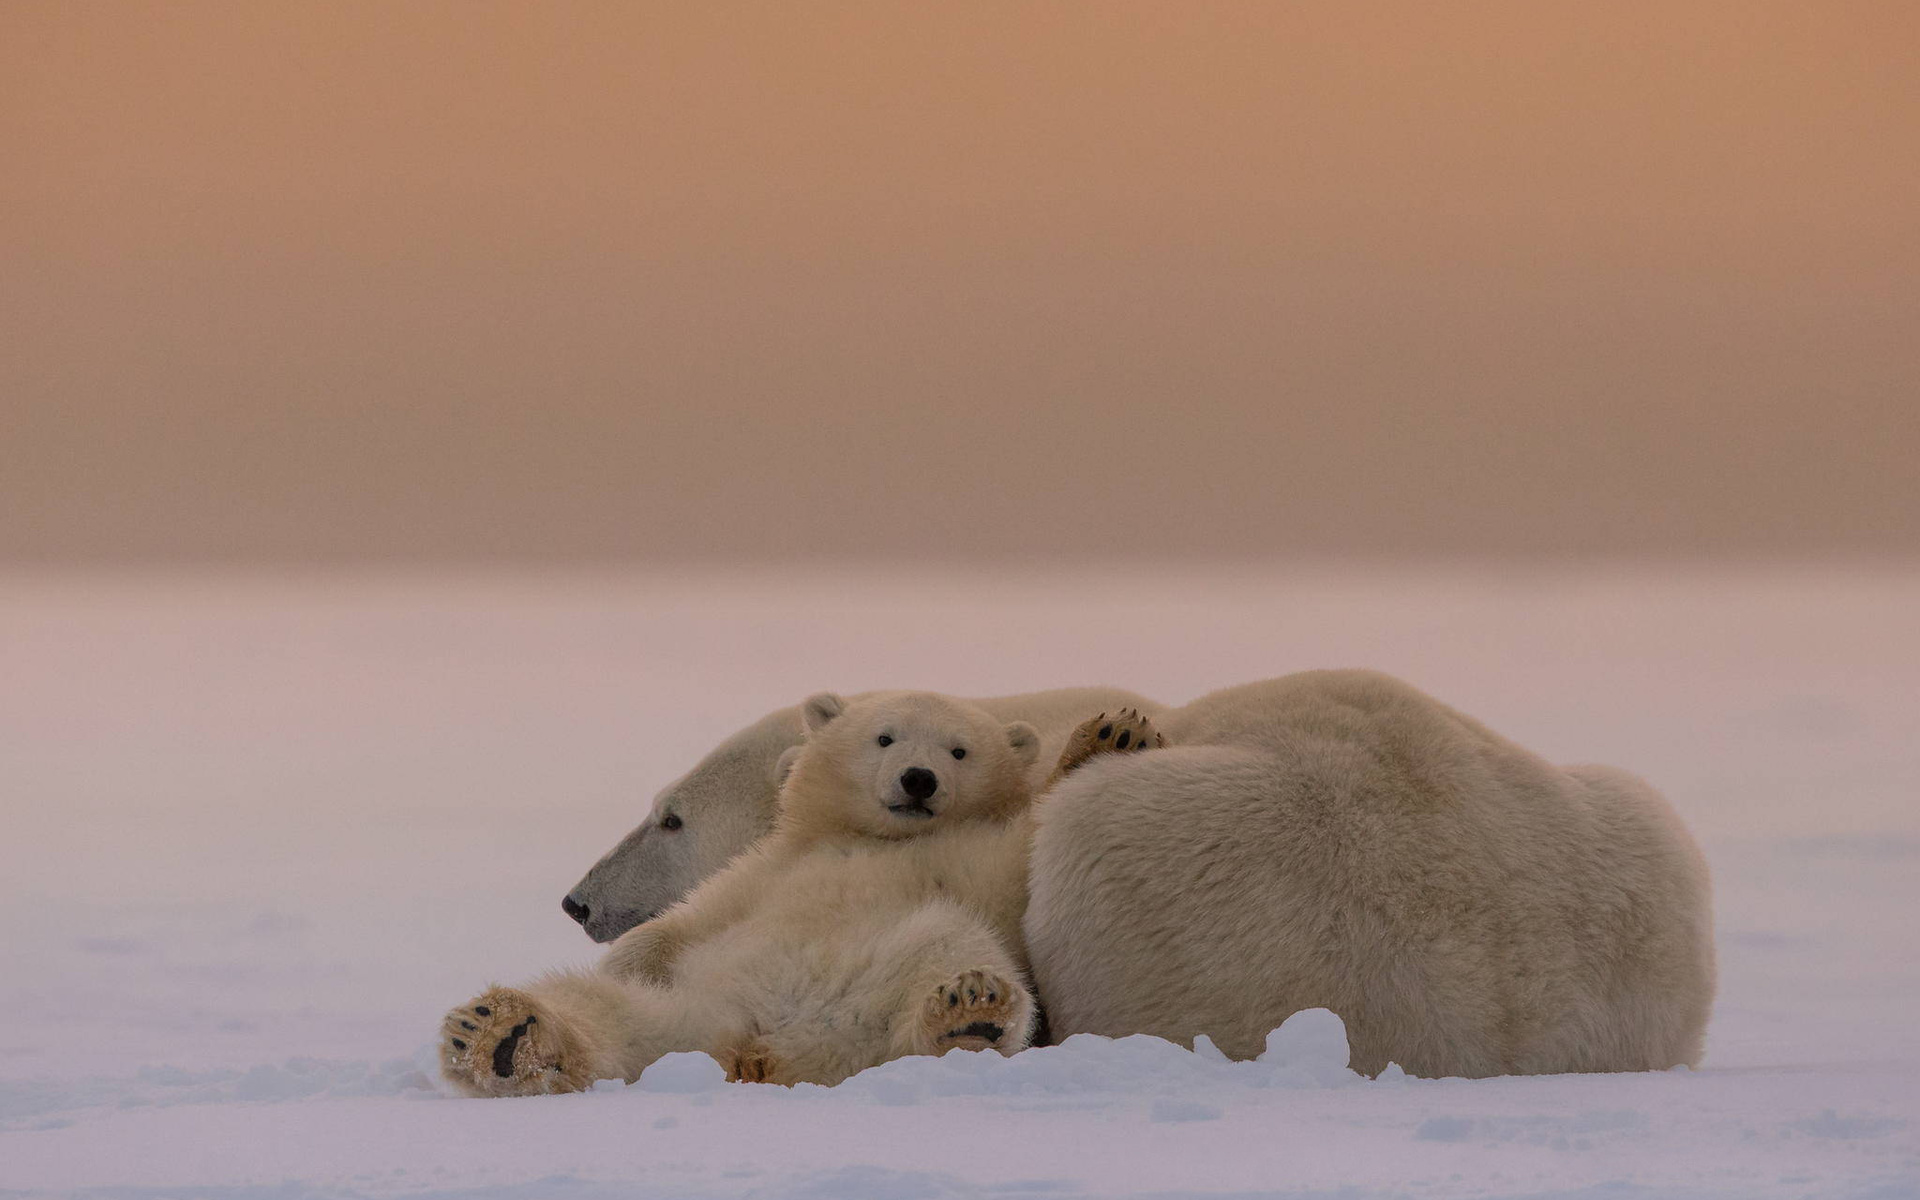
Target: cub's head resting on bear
(900, 764)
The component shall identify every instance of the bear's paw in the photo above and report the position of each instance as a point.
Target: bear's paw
(975, 1010)
(1127, 731)
(503, 1044)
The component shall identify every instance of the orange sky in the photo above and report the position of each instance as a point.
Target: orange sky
(463, 281)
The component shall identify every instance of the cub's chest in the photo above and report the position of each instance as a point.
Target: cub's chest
(974, 865)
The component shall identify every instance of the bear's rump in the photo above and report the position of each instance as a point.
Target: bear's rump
(1219, 889)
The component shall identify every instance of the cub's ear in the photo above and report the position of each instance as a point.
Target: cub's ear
(784, 767)
(1025, 740)
(817, 711)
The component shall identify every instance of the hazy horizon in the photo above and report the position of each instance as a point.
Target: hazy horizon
(491, 283)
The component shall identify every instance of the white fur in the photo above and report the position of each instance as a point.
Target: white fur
(1337, 839)
(826, 947)
(1330, 839)
(727, 801)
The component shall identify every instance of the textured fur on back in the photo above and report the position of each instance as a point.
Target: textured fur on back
(1338, 839)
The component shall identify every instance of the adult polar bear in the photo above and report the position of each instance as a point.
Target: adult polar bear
(1331, 839)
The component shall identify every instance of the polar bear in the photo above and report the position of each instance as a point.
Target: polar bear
(700, 821)
(880, 917)
(1339, 839)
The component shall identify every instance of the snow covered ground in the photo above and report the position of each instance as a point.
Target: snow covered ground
(257, 834)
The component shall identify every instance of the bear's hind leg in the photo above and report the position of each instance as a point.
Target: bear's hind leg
(878, 990)
(975, 1010)
(955, 986)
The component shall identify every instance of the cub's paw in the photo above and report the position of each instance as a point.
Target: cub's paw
(753, 1062)
(977, 1010)
(504, 1044)
(1127, 731)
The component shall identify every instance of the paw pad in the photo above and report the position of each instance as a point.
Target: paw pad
(751, 1063)
(501, 1048)
(976, 1010)
(1127, 731)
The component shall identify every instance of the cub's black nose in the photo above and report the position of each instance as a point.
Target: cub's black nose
(574, 909)
(919, 783)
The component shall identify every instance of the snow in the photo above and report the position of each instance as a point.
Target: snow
(260, 832)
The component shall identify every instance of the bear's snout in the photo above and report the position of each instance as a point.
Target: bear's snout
(919, 783)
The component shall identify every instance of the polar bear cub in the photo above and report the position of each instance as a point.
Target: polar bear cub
(880, 918)
(896, 818)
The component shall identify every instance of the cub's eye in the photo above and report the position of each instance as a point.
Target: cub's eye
(885, 740)
(671, 821)
(959, 752)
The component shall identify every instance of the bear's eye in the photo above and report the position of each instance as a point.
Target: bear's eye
(959, 752)
(885, 740)
(671, 821)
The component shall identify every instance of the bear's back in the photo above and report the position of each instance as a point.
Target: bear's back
(1339, 839)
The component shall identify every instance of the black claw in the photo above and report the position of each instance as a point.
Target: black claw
(483, 1010)
(469, 1026)
(993, 997)
(953, 998)
(458, 1044)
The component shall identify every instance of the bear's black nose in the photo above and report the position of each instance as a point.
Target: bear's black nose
(574, 909)
(919, 783)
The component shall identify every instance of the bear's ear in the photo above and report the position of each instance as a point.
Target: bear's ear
(784, 767)
(817, 711)
(1025, 740)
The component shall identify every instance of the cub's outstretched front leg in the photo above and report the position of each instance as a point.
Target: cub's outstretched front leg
(1127, 731)
(504, 1042)
(565, 1030)
(648, 951)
